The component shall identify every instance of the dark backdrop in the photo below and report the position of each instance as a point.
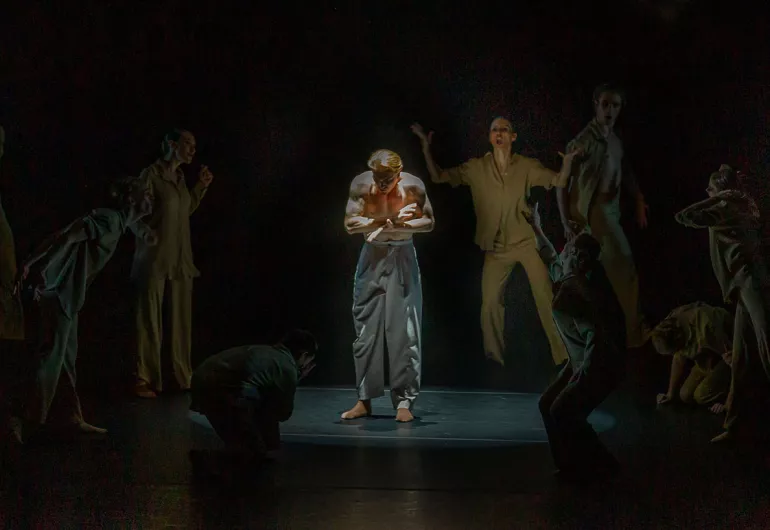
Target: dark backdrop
(287, 103)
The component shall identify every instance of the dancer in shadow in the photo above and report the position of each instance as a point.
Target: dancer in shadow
(734, 225)
(69, 260)
(169, 263)
(699, 337)
(591, 323)
(592, 198)
(245, 393)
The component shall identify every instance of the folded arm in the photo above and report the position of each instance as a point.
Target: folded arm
(713, 211)
(424, 223)
(355, 220)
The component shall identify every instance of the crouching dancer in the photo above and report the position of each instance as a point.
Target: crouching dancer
(592, 325)
(245, 392)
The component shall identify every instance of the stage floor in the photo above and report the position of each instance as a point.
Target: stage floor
(443, 418)
(470, 460)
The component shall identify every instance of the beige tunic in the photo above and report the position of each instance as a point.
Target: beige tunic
(173, 204)
(500, 200)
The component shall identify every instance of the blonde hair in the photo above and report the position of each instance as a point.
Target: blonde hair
(385, 160)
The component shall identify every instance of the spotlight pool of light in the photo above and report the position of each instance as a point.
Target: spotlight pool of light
(444, 418)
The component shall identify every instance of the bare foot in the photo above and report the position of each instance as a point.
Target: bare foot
(404, 415)
(724, 437)
(361, 409)
(89, 429)
(142, 390)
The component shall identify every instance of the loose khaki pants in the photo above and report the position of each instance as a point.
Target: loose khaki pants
(704, 387)
(618, 262)
(497, 268)
(55, 377)
(149, 331)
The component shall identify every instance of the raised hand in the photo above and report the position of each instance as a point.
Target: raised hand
(577, 151)
(425, 139)
(204, 176)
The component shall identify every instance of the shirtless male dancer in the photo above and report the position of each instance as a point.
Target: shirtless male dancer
(387, 206)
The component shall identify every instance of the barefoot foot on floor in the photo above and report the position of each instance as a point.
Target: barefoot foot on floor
(404, 415)
(360, 410)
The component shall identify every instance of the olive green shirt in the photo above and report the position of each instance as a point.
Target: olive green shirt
(70, 271)
(735, 243)
(173, 204)
(589, 168)
(707, 331)
(268, 374)
(500, 200)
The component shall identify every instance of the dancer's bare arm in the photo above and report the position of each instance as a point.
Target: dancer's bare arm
(355, 221)
(407, 219)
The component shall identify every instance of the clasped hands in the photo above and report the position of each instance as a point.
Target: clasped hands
(404, 214)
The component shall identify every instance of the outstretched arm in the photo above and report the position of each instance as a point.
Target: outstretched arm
(544, 246)
(51, 246)
(454, 176)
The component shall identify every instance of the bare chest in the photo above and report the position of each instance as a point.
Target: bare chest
(380, 206)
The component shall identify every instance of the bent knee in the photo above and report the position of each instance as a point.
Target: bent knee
(545, 404)
(707, 396)
(687, 396)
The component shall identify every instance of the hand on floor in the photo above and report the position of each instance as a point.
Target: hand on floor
(717, 408)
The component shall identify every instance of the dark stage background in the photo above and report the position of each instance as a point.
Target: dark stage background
(287, 103)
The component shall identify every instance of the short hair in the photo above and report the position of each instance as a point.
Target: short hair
(587, 243)
(501, 118)
(123, 188)
(726, 178)
(385, 160)
(669, 334)
(299, 341)
(612, 88)
(171, 136)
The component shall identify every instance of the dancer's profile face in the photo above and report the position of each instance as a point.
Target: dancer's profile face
(501, 133)
(607, 108)
(385, 179)
(184, 148)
